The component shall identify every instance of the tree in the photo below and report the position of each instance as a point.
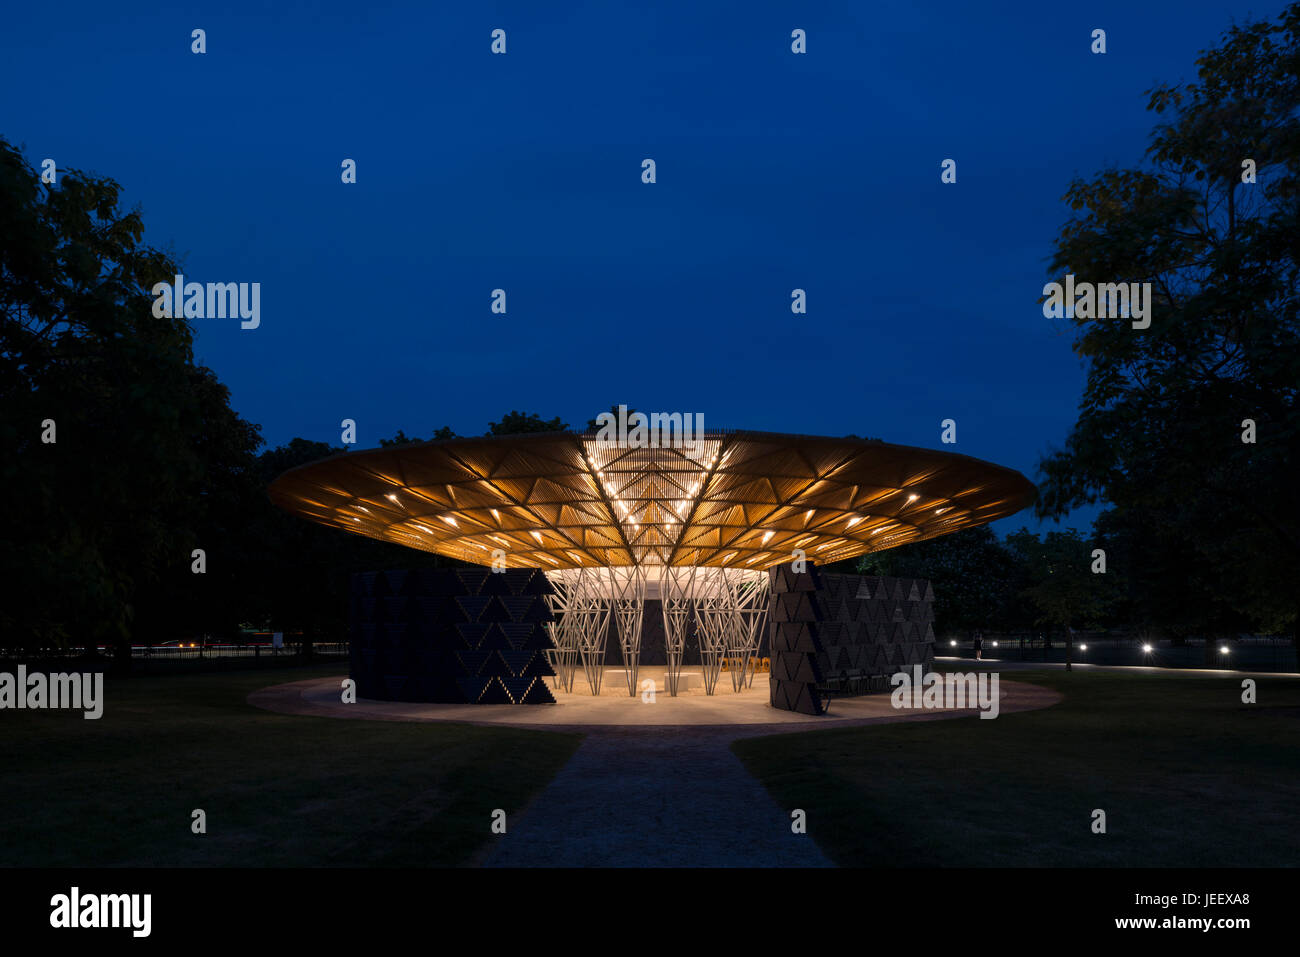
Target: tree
(1062, 584)
(122, 455)
(593, 425)
(178, 602)
(1212, 223)
(518, 423)
(401, 438)
(1156, 587)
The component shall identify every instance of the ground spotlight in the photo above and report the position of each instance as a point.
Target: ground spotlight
(1146, 649)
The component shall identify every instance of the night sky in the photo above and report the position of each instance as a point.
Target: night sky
(775, 171)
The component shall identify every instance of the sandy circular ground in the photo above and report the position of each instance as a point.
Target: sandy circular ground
(746, 712)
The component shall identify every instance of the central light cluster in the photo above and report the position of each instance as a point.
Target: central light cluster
(652, 492)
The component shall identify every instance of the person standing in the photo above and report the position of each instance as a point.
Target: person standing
(979, 645)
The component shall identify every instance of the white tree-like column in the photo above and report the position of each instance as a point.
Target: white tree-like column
(563, 631)
(727, 605)
(716, 618)
(749, 603)
(676, 589)
(592, 610)
(629, 610)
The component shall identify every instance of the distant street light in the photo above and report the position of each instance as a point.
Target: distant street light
(1083, 647)
(1146, 649)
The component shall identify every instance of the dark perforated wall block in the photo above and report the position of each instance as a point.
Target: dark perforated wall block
(873, 627)
(456, 635)
(843, 634)
(792, 634)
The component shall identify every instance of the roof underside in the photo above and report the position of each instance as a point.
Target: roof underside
(738, 499)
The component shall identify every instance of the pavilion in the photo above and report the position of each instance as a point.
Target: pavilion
(698, 526)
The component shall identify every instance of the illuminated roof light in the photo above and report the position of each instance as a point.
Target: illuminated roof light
(766, 536)
(853, 521)
(537, 535)
(449, 520)
(913, 497)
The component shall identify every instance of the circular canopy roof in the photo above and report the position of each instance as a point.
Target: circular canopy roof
(736, 499)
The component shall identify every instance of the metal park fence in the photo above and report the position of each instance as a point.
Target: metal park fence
(187, 650)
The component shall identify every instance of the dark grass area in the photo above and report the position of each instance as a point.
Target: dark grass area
(1187, 774)
(279, 790)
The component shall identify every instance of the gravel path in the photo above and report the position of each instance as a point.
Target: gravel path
(673, 798)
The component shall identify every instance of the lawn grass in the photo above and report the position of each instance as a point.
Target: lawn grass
(279, 790)
(1187, 774)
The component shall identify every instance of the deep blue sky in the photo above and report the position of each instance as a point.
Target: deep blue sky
(522, 171)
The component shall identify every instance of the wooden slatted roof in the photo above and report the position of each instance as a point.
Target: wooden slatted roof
(737, 499)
